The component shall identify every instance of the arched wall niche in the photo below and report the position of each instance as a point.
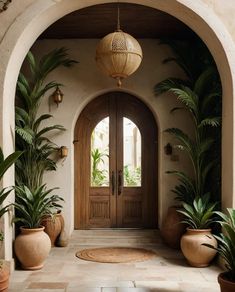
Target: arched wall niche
(36, 17)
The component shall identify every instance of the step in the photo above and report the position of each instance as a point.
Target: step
(115, 237)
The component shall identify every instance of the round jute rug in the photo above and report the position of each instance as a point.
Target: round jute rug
(116, 254)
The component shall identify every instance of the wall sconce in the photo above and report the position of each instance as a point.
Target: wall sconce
(57, 96)
(168, 149)
(63, 151)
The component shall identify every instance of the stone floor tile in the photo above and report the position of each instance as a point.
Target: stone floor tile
(199, 287)
(32, 290)
(100, 283)
(133, 289)
(42, 290)
(210, 274)
(47, 285)
(158, 285)
(83, 289)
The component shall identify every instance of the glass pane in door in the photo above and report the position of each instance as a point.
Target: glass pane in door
(132, 154)
(100, 154)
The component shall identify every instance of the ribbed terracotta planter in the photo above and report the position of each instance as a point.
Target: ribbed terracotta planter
(62, 239)
(32, 247)
(172, 230)
(225, 285)
(197, 254)
(4, 279)
(52, 227)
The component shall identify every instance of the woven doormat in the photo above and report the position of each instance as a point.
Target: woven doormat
(116, 254)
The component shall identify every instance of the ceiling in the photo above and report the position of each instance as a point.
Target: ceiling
(98, 20)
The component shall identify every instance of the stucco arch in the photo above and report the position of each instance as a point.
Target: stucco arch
(37, 16)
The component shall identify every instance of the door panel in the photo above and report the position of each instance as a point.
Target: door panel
(121, 190)
(142, 199)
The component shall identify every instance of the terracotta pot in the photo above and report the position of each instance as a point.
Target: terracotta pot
(197, 254)
(172, 229)
(32, 247)
(225, 285)
(62, 239)
(52, 227)
(4, 278)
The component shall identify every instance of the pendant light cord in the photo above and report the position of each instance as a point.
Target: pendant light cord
(118, 17)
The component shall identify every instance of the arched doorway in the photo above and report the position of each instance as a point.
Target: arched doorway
(24, 26)
(115, 164)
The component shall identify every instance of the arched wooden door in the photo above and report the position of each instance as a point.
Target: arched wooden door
(116, 164)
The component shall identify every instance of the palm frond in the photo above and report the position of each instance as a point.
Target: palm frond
(206, 102)
(8, 161)
(187, 143)
(49, 129)
(32, 63)
(204, 80)
(169, 83)
(54, 59)
(22, 79)
(44, 89)
(182, 56)
(211, 122)
(188, 98)
(25, 133)
(38, 121)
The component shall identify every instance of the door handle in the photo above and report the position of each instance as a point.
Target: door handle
(113, 183)
(120, 182)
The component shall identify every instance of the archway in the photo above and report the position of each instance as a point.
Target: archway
(36, 17)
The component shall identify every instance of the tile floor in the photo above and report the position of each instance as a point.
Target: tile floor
(63, 272)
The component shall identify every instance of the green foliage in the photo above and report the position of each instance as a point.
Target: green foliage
(132, 178)
(226, 248)
(200, 95)
(31, 136)
(5, 163)
(200, 214)
(185, 191)
(32, 206)
(98, 176)
(1, 239)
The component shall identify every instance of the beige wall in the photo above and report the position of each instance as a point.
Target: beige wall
(23, 22)
(84, 82)
(225, 9)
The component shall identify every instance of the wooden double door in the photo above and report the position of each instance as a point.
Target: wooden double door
(115, 164)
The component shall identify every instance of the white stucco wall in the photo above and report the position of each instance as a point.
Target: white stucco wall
(84, 82)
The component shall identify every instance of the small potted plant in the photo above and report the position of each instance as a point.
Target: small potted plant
(4, 165)
(226, 250)
(33, 245)
(198, 217)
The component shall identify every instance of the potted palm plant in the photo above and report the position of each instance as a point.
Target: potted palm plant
(5, 163)
(199, 93)
(31, 136)
(33, 245)
(226, 250)
(198, 218)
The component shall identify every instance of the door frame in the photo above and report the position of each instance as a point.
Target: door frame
(81, 200)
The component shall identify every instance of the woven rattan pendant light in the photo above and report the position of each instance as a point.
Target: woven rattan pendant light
(118, 54)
